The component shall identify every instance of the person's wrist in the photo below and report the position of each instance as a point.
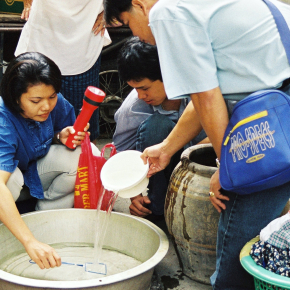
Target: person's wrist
(167, 148)
(137, 196)
(217, 163)
(26, 239)
(58, 139)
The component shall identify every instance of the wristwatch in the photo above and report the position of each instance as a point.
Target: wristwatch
(58, 138)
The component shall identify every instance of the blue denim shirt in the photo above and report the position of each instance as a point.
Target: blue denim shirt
(24, 141)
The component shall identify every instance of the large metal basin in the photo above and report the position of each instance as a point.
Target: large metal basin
(127, 234)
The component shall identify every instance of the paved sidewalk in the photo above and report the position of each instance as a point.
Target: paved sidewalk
(167, 274)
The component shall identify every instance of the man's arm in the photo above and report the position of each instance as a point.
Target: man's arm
(186, 129)
(212, 113)
(207, 110)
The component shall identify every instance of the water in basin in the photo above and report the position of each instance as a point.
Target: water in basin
(76, 253)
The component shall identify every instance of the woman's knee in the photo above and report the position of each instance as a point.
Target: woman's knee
(66, 201)
(62, 157)
(59, 159)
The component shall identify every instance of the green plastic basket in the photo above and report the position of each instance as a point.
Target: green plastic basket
(264, 279)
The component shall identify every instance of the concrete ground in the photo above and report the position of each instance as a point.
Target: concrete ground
(168, 273)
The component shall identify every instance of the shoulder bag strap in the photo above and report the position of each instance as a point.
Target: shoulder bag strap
(282, 27)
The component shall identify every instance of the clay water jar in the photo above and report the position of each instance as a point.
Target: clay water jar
(191, 219)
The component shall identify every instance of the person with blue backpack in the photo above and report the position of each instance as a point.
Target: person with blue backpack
(216, 52)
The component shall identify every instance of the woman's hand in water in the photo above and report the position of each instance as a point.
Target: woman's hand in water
(78, 138)
(42, 254)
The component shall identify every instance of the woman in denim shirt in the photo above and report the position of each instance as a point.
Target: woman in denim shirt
(33, 116)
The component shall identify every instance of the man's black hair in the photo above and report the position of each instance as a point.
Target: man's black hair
(138, 60)
(113, 9)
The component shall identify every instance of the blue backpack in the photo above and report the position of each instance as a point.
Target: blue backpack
(256, 147)
(255, 152)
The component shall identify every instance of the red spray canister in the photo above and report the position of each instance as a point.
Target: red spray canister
(92, 99)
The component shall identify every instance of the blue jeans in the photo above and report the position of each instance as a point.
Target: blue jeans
(243, 219)
(153, 131)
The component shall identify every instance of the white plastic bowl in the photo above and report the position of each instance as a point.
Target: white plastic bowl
(126, 174)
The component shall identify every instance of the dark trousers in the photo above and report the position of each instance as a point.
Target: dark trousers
(73, 88)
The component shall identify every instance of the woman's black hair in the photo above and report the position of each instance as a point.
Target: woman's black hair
(138, 60)
(26, 70)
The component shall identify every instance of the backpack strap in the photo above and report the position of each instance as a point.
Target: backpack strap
(282, 27)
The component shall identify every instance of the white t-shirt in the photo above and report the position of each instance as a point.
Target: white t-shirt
(233, 44)
(62, 30)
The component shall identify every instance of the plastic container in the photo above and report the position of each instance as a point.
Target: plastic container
(264, 279)
(125, 174)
